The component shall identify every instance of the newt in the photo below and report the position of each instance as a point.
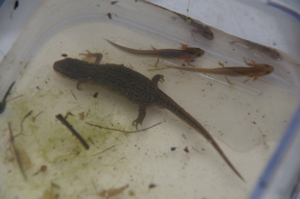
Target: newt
(199, 27)
(267, 51)
(186, 53)
(3, 102)
(133, 86)
(254, 71)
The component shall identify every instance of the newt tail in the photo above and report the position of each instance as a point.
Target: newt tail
(166, 102)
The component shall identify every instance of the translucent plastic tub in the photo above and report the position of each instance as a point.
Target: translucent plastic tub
(167, 161)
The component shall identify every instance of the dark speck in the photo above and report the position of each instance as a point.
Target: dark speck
(114, 2)
(109, 15)
(95, 95)
(64, 55)
(173, 148)
(16, 5)
(151, 186)
(186, 150)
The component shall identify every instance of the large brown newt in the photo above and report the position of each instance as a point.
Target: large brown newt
(133, 86)
(186, 54)
(254, 71)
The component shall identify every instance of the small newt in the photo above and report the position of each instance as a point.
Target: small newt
(3, 102)
(267, 51)
(199, 27)
(254, 71)
(187, 54)
(133, 86)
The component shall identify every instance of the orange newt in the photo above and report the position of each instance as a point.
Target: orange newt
(185, 53)
(254, 71)
(133, 86)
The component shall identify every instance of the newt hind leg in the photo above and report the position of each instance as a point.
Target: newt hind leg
(142, 108)
(227, 79)
(92, 57)
(141, 117)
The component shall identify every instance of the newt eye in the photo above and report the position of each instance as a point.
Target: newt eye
(268, 72)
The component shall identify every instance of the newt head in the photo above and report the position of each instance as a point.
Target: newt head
(196, 52)
(265, 69)
(260, 69)
(69, 68)
(192, 53)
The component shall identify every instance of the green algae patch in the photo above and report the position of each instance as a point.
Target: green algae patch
(47, 142)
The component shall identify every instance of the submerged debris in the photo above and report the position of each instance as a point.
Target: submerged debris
(70, 127)
(33, 118)
(27, 115)
(104, 150)
(3, 102)
(173, 148)
(151, 186)
(101, 127)
(95, 95)
(113, 192)
(21, 156)
(81, 115)
(114, 2)
(186, 149)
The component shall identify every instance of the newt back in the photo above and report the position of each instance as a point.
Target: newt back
(113, 77)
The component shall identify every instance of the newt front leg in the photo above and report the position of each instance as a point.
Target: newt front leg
(142, 108)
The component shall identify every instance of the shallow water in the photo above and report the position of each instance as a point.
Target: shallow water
(247, 125)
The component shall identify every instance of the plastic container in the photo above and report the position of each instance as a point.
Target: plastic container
(247, 120)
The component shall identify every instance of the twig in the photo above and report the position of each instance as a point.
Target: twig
(73, 95)
(14, 98)
(65, 122)
(93, 143)
(15, 151)
(3, 102)
(104, 150)
(68, 113)
(33, 119)
(27, 115)
(101, 127)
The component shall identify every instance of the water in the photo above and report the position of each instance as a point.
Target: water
(247, 125)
